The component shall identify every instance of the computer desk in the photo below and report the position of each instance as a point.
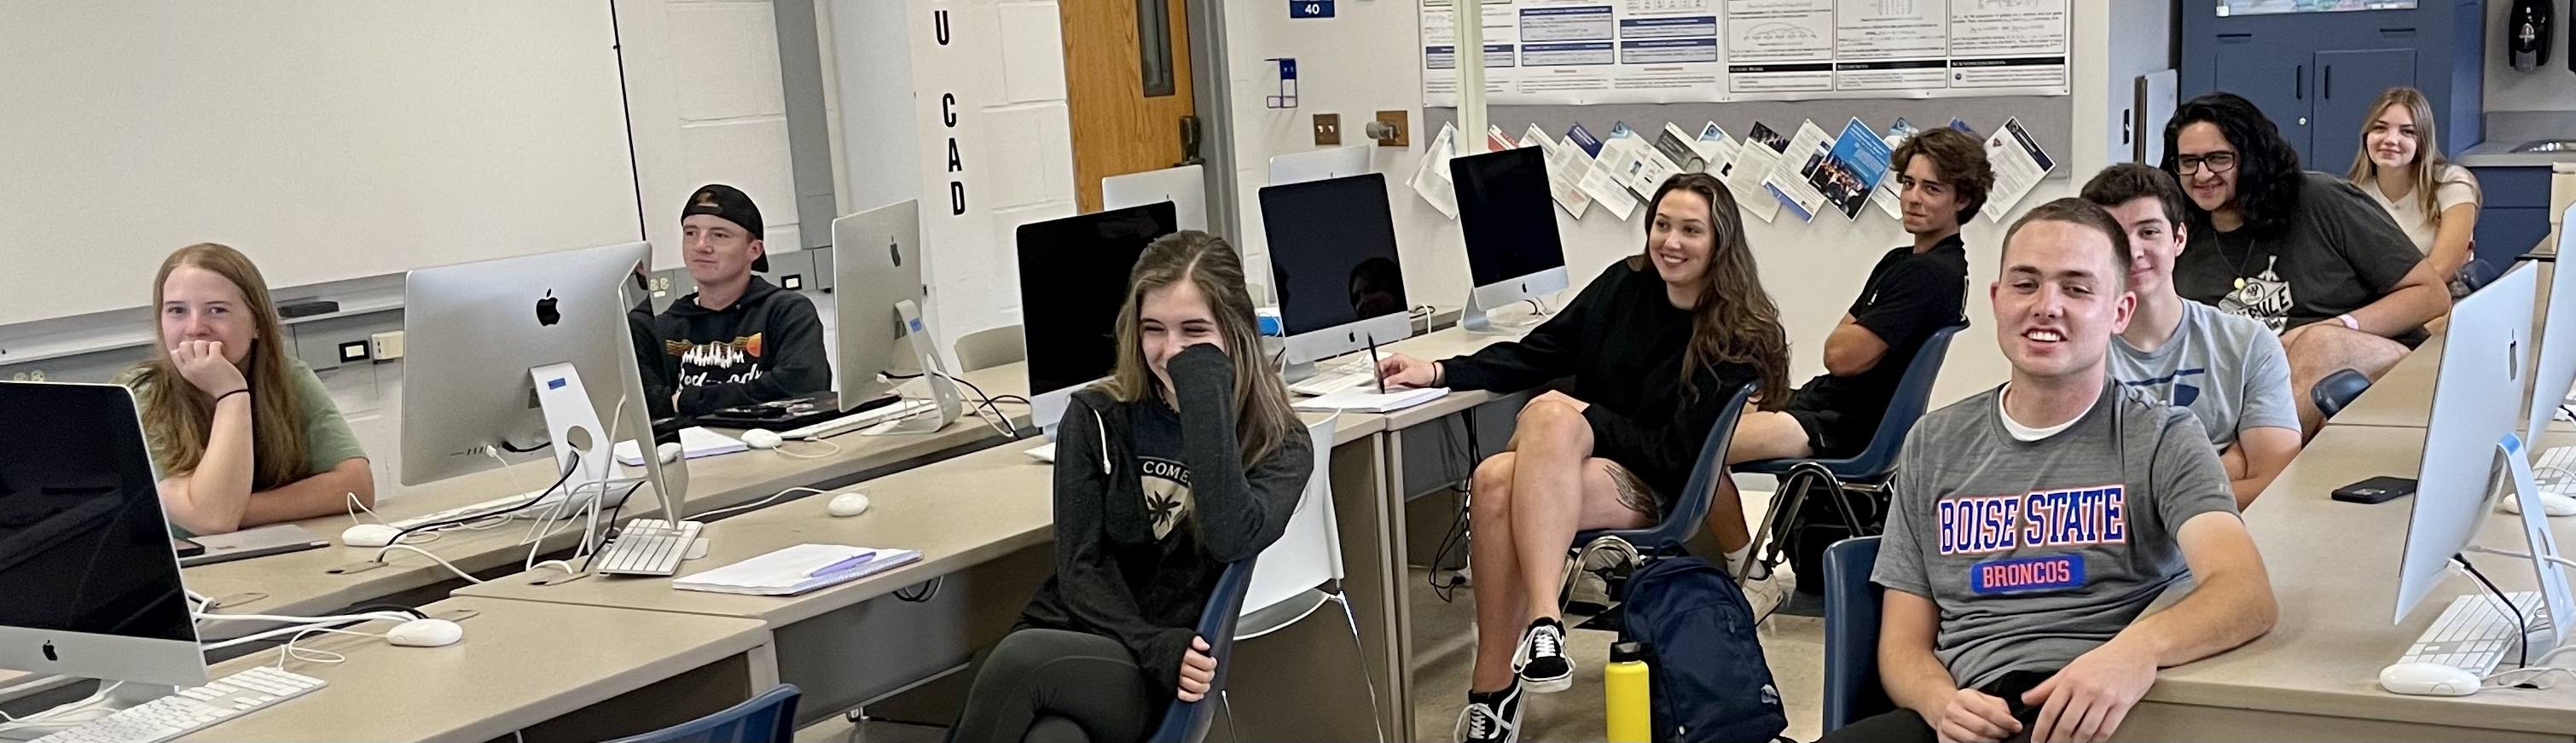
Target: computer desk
(983, 523)
(332, 578)
(2401, 398)
(548, 672)
(2333, 567)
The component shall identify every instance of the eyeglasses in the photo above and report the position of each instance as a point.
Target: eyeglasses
(2218, 162)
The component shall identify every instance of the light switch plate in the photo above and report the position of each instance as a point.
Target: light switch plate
(1328, 130)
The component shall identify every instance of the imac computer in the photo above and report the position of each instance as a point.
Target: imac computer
(2554, 372)
(876, 265)
(1301, 167)
(511, 357)
(1073, 281)
(1508, 220)
(89, 583)
(2476, 414)
(1184, 186)
(1334, 266)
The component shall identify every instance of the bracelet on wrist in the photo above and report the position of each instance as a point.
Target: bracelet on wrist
(219, 399)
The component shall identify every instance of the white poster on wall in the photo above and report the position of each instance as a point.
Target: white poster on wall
(1809, 49)
(1580, 52)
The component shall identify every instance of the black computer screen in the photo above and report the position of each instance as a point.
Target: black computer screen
(1332, 252)
(1506, 215)
(83, 545)
(1073, 279)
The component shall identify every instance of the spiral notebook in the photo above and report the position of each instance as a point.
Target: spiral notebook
(796, 570)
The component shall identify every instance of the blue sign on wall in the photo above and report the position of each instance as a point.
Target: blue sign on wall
(1310, 8)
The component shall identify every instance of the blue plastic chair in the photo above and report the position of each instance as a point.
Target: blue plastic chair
(1188, 722)
(1852, 691)
(768, 718)
(1870, 469)
(1667, 536)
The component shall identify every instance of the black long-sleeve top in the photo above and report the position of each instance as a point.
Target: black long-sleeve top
(1622, 341)
(1140, 543)
(767, 346)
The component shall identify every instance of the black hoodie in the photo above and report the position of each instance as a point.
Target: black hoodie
(767, 346)
(1114, 576)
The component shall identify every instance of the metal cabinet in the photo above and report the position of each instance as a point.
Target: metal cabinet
(2316, 74)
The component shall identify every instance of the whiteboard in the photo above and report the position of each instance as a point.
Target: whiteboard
(328, 140)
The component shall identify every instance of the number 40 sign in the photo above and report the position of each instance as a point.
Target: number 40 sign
(1310, 8)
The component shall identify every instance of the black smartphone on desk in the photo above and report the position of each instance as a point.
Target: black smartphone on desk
(2375, 490)
(186, 548)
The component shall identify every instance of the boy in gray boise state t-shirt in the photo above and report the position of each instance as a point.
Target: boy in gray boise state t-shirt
(2038, 551)
(2227, 369)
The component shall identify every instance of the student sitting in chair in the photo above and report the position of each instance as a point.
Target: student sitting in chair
(2015, 562)
(2304, 252)
(244, 433)
(739, 340)
(2228, 369)
(1655, 345)
(1188, 458)
(1913, 292)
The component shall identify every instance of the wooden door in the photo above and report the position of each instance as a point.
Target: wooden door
(1127, 88)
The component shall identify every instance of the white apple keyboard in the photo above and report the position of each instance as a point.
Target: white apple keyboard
(193, 709)
(492, 506)
(648, 547)
(2475, 632)
(901, 409)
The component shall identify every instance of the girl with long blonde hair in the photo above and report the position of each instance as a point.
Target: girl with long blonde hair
(2401, 166)
(243, 432)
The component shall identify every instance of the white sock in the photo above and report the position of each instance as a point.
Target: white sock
(1736, 557)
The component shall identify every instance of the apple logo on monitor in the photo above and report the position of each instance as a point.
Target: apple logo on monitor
(50, 657)
(547, 315)
(894, 251)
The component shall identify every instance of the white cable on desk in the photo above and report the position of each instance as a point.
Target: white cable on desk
(451, 567)
(781, 449)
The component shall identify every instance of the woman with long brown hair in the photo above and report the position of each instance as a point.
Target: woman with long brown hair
(243, 432)
(1188, 458)
(1655, 345)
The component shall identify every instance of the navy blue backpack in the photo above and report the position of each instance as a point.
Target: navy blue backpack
(1705, 669)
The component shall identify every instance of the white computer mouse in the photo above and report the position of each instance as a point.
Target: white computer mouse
(2552, 504)
(851, 503)
(2428, 679)
(760, 439)
(369, 535)
(669, 452)
(425, 633)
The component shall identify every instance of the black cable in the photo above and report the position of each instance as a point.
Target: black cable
(613, 529)
(532, 502)
(395, 608)
(1457, 528)
(1006, 398)
(532, 448)
(988, 400)
(928, 591)
(2522, 631)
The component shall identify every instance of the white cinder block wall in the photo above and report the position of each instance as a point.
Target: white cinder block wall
(704, 99)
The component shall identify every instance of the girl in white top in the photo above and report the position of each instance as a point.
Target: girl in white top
(2401, 167)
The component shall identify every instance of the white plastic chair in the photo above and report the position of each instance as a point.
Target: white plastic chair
(990, 347)
(1303, 570)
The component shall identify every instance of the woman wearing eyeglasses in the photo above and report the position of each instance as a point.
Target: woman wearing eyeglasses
(2307, 253)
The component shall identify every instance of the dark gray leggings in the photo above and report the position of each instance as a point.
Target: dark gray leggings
(1056, 686)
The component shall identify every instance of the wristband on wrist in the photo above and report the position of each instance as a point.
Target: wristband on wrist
(219, 399)
(2348, 322)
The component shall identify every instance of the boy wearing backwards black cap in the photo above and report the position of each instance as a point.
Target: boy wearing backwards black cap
(739, 340)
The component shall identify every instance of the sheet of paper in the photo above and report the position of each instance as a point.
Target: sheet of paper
(1583, 138)
(1646, 167)
(1754, 161)
(1431, 179)
(2018, 163)
(1368, 400)
(1566, 165)
(1852, 170)
(1496, 140)
(1886, 197)
(1788, 180)
(1682, 149)
(1602, 181)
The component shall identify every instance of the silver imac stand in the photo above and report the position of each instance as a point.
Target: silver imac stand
(1476, 319)
(945, 403)
(2546, 562)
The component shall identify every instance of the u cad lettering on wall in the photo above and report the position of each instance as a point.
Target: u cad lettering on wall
(948, 120)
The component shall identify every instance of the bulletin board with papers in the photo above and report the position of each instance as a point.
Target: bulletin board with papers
(1589, 52)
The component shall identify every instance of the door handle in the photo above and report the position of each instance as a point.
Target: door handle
(2299, 82)
(1190, 142)
(2326, 89)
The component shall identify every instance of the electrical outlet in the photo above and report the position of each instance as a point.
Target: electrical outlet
(1392, 129)
(1328, 129)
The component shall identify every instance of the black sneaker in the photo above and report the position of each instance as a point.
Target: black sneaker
(1490, 718)
(1540, 661)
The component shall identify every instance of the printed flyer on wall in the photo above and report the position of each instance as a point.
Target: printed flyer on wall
(1779, 50)
(1560, 52)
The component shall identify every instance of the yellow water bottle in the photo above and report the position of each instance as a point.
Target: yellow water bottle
(1631, 715)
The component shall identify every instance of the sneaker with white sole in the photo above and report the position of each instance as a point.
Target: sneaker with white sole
(1494, 718)
(1540, 661)
(1766, 594)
